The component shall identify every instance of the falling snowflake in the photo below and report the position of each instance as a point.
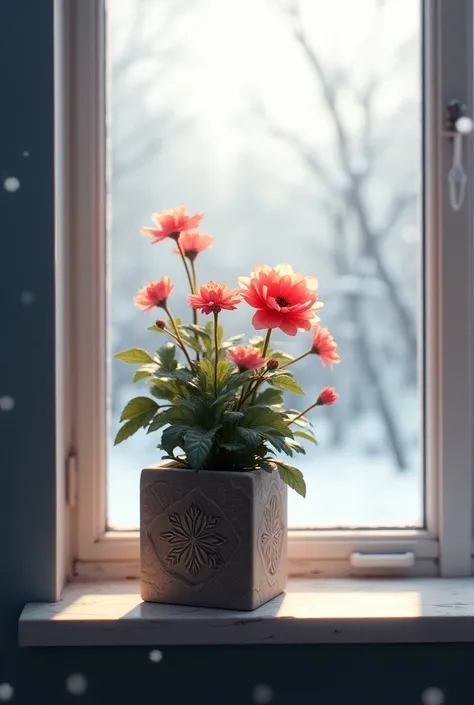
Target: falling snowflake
(194, 540)
(272, 535)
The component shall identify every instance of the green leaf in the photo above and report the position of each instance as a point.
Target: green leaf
(198, 329)
(279, 443)
(232, 341)
(223, 373)
(141, 374)
(269, 397)
(172, 437)
(191, 341)
(266, 465)
(287, 383)
(303, 422)
(171, 389)
(248, 435)
(134, 356)
(204, 335)
(133, 425)
(306, 435)
(197, 445)
(182, 374)
(166, 356)
(176, 415)
(292, 477)
(155, 328)
(232, 416)
(206, 375)
(137, 407)
(296, 447)
(264, 418)
(237, 379)
(280, 356)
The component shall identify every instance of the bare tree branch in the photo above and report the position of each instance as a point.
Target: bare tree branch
(363, 346)
(399, 206)
(406, 320)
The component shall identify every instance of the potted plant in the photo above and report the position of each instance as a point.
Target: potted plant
(213, 516)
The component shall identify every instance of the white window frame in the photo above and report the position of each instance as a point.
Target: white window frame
(445, 547)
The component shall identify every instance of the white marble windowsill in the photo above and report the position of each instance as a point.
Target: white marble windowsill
(310, 612)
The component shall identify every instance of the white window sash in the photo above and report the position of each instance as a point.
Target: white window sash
(445, 545)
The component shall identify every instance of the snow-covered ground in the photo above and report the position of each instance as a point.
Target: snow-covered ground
(344, 488)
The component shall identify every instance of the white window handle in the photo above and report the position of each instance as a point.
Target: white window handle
(382, 560)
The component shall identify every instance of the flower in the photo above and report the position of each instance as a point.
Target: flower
(325, 346)
(246, 358)
(327, 396)
(214, 297)
(171, 223)
(283, 299)
(193, 243)
(154, 294)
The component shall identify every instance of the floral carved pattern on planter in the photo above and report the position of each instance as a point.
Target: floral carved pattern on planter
(272, 535)
(194, 540)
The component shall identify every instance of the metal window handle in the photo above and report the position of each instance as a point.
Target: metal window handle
(458, 126)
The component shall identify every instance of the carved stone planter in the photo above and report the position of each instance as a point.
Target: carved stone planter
(212, 539)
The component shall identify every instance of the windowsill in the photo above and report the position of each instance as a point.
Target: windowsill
(310, 612)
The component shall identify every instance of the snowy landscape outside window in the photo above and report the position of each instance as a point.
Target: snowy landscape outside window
(300, 137)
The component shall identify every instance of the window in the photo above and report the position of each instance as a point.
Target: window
(307, 139)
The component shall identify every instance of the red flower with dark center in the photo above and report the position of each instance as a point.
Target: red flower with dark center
(283, 299)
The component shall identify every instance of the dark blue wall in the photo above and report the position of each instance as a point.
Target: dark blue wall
(219, 676)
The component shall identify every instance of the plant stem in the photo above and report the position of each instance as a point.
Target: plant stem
(188, 273)
(178, 337)
(257, 382)
(216, 345)
(292, 362)
(267, 342)
(242, 396)
(305, 411)
(195, 313)
(260, 380)
(193, 271)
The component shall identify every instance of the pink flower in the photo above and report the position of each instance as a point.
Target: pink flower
(171, 223)
(246, 358)
(193, 243)
(327, 396)
(154, 294)
(283, 299)
(214, 297)
(325, 346)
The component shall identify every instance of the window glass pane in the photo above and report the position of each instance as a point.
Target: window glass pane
(298, 133)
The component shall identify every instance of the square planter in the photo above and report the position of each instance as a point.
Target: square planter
(212, 539)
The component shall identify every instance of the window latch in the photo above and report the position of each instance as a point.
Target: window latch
(458, 125)
(382, 560)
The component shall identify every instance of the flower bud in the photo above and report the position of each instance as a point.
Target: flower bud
(327, 396)
(160, 323)
(272, 364)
